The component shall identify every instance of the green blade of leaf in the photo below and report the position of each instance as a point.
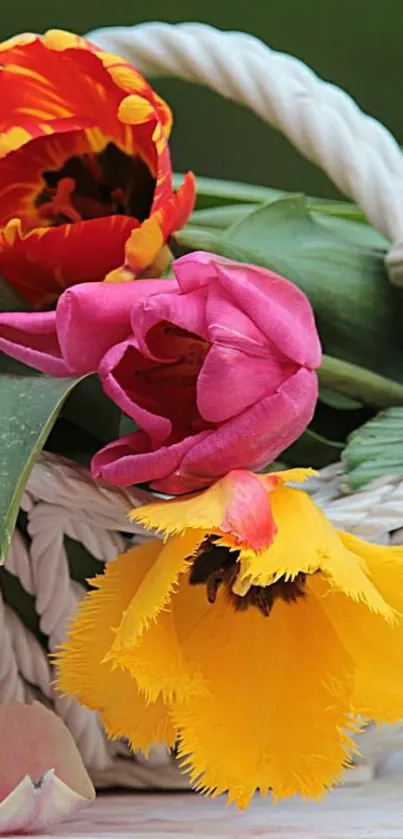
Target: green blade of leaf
(376, 449)
(312, 450)
(29, 406)
(212, 192)
(359, 383)
(337, 400)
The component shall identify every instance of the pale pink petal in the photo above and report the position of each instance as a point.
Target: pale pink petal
(230, 381)
(31, 337)
(31, 808)
(130, 460)
(42, 776)
(248, 514)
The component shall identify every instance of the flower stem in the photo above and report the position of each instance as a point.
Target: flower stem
(358, 382)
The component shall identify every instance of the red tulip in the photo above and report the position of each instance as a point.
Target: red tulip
(85, 171)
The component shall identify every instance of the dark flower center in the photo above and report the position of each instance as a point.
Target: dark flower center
(167, 384)
(96, 185)
(216, 565)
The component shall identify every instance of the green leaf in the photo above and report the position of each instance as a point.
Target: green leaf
(347, 285)
(358, 382)
(212, 192)
(376, 449)
(337, 400)
(221, 217)
(29, 406)
(312, 450)
(350, 230)
(91, 409)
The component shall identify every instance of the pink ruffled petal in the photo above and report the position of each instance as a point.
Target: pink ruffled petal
(31, 337)
(230, 381)
(130, 461)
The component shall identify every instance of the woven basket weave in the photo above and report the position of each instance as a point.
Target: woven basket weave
(62, 502)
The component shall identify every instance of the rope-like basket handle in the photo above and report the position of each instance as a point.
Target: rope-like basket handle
(357, 153)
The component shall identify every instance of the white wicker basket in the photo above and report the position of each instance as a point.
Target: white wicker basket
(365, 162)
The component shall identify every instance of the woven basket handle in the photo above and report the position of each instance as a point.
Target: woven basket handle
(357, 153)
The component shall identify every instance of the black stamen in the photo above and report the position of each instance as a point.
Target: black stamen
(216, 565)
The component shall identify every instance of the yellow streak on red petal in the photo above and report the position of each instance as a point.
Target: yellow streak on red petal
(134, 110)
(13, 139)
(60, 40)
(123, 73)
(18, 41)
(144, 244)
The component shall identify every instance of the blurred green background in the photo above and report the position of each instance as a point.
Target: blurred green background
(353, 43)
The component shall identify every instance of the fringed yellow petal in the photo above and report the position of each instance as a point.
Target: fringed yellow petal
(158, 666)
(348, 572)
(294, 476)
(156, 589)
(280, 692)
(204, 510)
(375, 645)
(238, 505)
(82, 670)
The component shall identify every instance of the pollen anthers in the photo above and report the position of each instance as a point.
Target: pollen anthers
(216, 565)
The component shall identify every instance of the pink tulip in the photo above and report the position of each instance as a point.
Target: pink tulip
(216, 367)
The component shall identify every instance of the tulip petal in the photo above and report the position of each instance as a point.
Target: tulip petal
(49, 259)
(282, 729)
(276, 306)
(42, 777)
(252, 439)
(264, 430)
(106, 308)
(83, 670)
(237, 504)
(241, 380)
(375, 644)
(31, 808)
(31, 337)
(129, 460)
(117, 374)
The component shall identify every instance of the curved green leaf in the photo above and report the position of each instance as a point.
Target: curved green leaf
(29, 406)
